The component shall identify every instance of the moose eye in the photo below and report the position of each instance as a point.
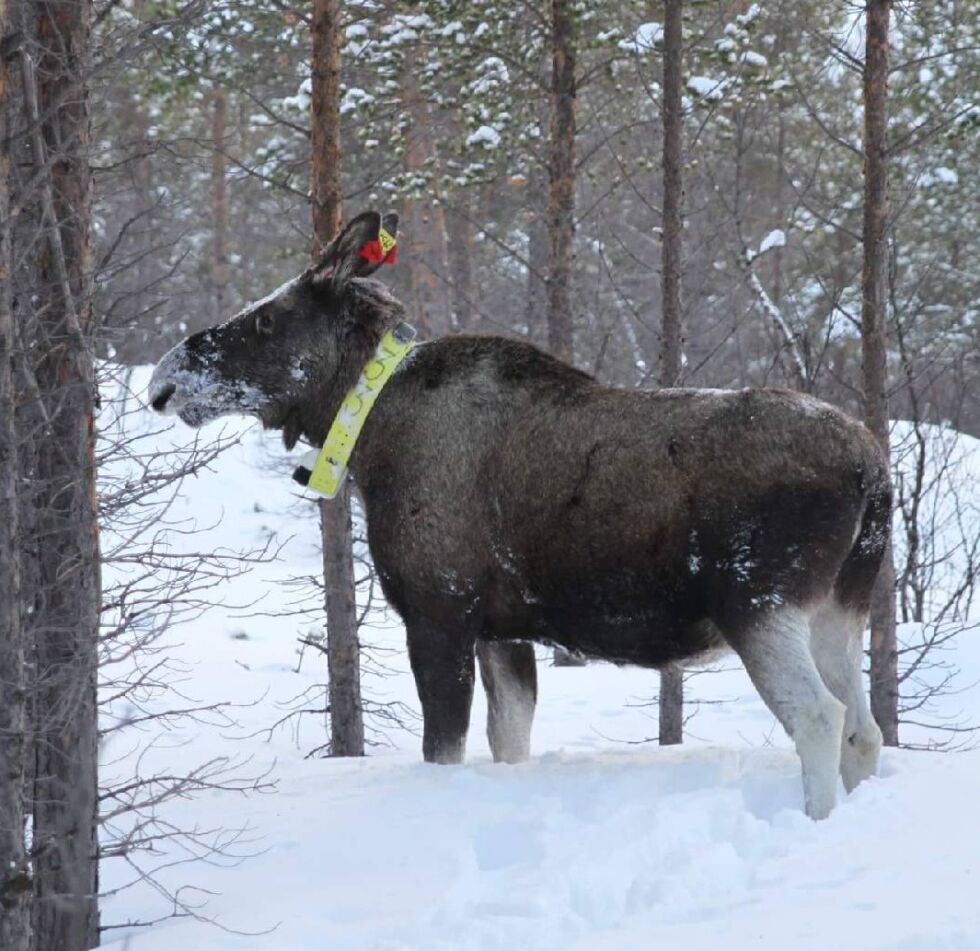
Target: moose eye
(264, 324)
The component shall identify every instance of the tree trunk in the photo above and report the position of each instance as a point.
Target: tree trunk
(219, 208)
(561, 180)
(561, 202)
(15, 881)
(67, 604)
(779, 187)
(536, 320)
(536, 302)
(426, 251)
(671, 678)
(131, 345)
(460, 235)
(874, 346)
(343, 647)
(343, 650)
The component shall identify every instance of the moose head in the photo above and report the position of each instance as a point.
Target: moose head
(289, 358)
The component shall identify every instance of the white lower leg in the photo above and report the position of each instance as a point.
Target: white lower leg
(511, 696)
(817, 738)
(860, 749)
(776, 654)
(837, 647)
(509, 731)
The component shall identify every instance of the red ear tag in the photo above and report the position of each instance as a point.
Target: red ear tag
(383, 250)
(373, 252)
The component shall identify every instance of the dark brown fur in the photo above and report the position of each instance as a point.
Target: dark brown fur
(530, 501)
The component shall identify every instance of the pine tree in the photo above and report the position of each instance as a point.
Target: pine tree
(67, 599)
(874, 339)
(15, 882)
(343, 650)
(672, 678)
(561, 181)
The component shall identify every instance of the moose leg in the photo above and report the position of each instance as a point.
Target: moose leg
(510, 678)
(442, 662)
(776, 652)
(836, 643)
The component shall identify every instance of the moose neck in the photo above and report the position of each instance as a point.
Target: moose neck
(317, 416)
(373, 311)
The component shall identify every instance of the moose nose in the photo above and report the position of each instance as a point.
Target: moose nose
(159, 401)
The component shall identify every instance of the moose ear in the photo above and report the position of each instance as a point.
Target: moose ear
(367, 242)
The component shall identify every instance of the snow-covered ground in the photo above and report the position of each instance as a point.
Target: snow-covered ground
(600, 843)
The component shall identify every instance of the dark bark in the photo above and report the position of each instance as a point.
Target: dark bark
(343, 649)
(671, 678)
(671, 709)
(874, 346)
(460, 240)
(673, 186)
(783, 33)
(536, 302)
(15, 881)
(325, 106)
(561, 202)
(561, 179)
(219, 207)
(780, 201)
(538, 234)
(65, 621)
(425, 243)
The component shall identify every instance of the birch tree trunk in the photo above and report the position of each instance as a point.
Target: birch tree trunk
(343, 649)
(874, 346)
(671, 678)
(65, 621)
(15, 881)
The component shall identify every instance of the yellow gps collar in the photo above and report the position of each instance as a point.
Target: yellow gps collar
(327, 474)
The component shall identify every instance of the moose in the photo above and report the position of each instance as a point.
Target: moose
(512, 499)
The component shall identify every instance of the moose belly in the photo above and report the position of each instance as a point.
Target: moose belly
(643, 641)
(614, 616)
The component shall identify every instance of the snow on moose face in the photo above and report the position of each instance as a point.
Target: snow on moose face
(259, 363)
(281, 358)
